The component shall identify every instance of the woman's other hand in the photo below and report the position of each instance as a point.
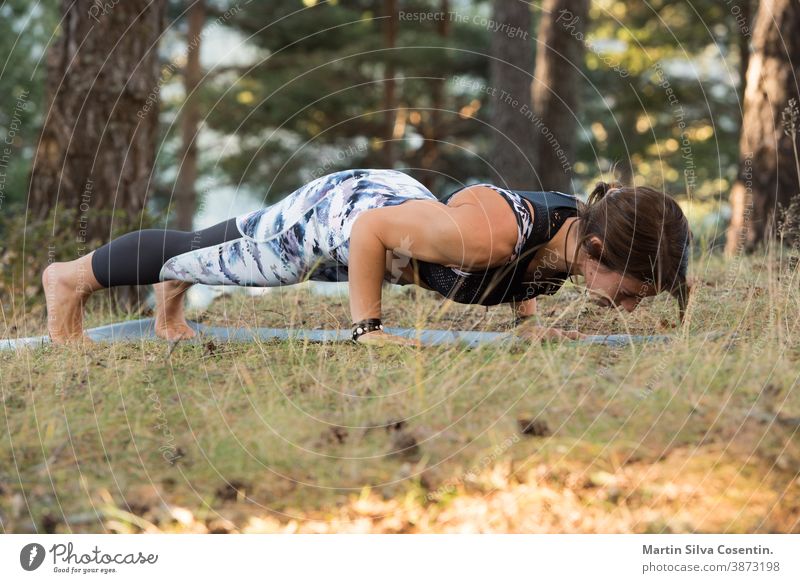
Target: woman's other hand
(381, 338)
(537, 333)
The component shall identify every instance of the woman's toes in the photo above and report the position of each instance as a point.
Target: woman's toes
(187, 332)
(179, 331)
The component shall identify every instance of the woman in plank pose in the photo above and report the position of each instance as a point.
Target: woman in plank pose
(481, 245)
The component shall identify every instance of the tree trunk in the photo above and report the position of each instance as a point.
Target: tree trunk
(433, 133)
(185, 192)
(768, 169)
(510, 68)
(556, 84)
(389, 97)
(97, 147)
(744, 22)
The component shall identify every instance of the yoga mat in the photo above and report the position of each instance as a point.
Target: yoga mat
(145, 329)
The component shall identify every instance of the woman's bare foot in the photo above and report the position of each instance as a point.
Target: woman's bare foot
(67, 286)
(170, 320)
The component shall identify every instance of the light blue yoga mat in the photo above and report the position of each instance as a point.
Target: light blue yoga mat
(144, 329)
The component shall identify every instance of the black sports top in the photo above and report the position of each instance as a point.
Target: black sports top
(505, 283)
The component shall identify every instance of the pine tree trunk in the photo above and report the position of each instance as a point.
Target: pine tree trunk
(185, 187)
(556, 84)
(433, 133)
(744, 26)
(389, 96)
(513, 158)
(97, 149)
(97, 146)
(768, 170)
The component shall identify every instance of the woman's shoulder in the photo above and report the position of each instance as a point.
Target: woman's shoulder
(505, 218)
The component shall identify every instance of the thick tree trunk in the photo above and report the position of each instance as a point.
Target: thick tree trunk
(433, 133)
(510, 68)
(389, 96)
(97, 146)
(768, 170)
(556, 84)
(185, 192)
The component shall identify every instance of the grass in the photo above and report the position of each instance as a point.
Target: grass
(697, 435)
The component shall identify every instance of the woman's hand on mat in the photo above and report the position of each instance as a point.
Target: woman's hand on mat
(381, 338)
(542, 333)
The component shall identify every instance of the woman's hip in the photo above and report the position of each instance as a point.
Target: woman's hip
(333, 201)
(300, 236)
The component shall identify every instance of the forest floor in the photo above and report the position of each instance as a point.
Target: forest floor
(695, 435)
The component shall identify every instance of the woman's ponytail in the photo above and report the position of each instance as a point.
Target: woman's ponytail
(600, 191)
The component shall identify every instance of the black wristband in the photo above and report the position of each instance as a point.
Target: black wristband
(362, 327)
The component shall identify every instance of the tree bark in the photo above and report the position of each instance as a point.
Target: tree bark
(510, 69)
(97, 146)
(744, 27)
(768, 169)
(389, 96)
(185, 191)
(433, 132)
(556, 89)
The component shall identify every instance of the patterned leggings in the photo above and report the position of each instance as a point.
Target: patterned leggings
(304, 236)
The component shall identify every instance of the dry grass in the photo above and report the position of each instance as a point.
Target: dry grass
(694, 435)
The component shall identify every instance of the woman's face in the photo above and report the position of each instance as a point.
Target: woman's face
(611, 288)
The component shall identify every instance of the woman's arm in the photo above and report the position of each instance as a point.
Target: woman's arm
(465, 236)
(366, 269)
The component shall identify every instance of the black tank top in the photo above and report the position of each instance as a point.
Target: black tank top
(506, 283)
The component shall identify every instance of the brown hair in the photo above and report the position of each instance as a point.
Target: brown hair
(644, 233)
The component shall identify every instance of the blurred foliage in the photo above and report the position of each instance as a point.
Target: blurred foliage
(25, 28)
(662, 93)
(311, 101)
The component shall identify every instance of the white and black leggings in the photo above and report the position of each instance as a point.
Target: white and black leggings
(304, 236)
(136, 258)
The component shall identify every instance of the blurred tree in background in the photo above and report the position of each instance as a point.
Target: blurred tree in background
(559, 63)
(97, 147)
(190, 115)
(768, 181)
(510, 67)
(94, 157)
